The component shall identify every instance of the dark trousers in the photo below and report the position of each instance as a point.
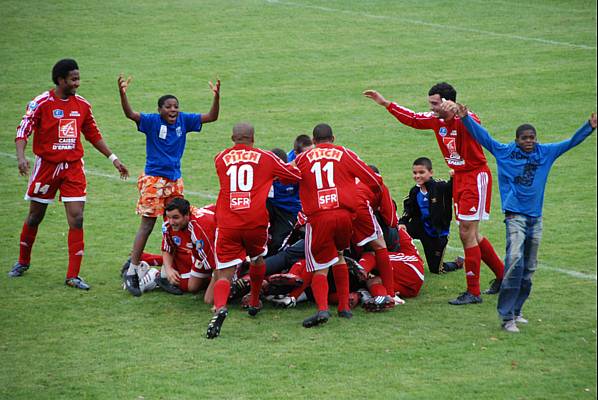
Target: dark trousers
(281, 224)
(433, 246)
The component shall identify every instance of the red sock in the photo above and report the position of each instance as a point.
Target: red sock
(319, 287)
(221, 292)
(257, 272)
(298, 268)
(307, 278)
(28, 234)
(377, 289)
(473, 257)
(491, 259)
(368, 262)
(152, 259)
(385, 269)
(76, 246)
(341, 281)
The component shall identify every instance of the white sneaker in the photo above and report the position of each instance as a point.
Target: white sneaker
(148, 282)
(284, 301)
(520, 320)
(398, 300)
(510, 326)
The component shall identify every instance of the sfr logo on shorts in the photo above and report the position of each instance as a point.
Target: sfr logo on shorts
(240, 200)
(67, 128)
(328, 199)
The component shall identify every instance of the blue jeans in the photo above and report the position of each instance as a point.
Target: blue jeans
(523, 240)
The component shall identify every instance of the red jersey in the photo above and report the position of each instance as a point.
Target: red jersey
(380, 201)
(58, 125)
(246, 174)
(461, 151)
(194, 245)
(328, 178)
(407, 266)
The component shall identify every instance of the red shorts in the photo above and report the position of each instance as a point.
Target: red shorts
(234, 245)
(47, 178)
(154, 194)
(365, 226)
(326, 233)
(472, 193)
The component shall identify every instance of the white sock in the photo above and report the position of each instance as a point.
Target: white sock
(132, 269)
(302, 297)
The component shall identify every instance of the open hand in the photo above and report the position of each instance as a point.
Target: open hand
(377, 97)
(215, 87)
(123, 84)
(124, 172)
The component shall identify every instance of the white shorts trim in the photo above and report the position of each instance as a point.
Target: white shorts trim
(263, 253)
(69, 199)
(38, 200)
(377, 229)
(200, 275)
(310, 262)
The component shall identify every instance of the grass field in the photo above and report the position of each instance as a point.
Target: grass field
(286, 66)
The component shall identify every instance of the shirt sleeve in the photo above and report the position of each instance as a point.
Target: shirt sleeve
(411, 118)
(90, 128)
(145, 123)
(29, 121)
(557, 149)
(481, 135)
(192, 122)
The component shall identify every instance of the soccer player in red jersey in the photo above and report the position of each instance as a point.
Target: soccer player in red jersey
(472, 182)
(58, 118)
(245, 174)
(327, 193)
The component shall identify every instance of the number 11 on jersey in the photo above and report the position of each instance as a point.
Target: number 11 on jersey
(317, 171)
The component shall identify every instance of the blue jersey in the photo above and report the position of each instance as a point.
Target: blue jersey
(522, 176)
(165, 143)
(423, 202)
(291, 155)
(285, 197)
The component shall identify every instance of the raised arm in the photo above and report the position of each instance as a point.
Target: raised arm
(212, 115)
(376, 97)
(404, 115)
(123, 85)
(479, 133)
(582, 133)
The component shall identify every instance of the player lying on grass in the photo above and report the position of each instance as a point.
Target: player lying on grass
(166, 135)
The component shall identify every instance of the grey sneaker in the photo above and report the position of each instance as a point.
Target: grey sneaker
(520, 320)
(510, 326)
(465, 298)
(18, 270)
(77, 283)
(494, 287)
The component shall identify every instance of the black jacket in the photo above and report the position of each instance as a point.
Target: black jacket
(441, 205)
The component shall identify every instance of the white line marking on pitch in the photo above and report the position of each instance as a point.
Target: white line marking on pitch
(205, 195)
(433, 25)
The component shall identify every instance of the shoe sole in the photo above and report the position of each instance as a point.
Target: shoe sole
(464, 304)
(315, 322)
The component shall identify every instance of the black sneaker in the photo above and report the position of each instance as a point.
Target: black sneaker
(345, 314)
(216, 323)
(18, 269)
(494, 287)
(132, 284)
(356, 270)
(465, 298)
(318, 318)
(77, 283)
(168, 287)
(239, 288)
(125, 267)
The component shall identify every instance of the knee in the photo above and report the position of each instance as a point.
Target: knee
(34, 219)
(76, 221)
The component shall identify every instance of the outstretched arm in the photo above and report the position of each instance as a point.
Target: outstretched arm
(123, 85)
(582, 133)
(377, 97)
(102, 147)
(212, 115)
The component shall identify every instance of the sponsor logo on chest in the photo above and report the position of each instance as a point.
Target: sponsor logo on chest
(237, 156)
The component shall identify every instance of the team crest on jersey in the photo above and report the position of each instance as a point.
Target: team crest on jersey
(176, 240)
(58, 113)
(67, 128)
(442, 132)
(318, 153)
(199, 245)
(236, 156)
(32, 105)
(179, 132)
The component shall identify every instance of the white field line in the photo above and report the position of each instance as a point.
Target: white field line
(574, 274)
(115, 176)
(432, 25)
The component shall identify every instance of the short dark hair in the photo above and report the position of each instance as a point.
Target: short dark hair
(374, 168)
(524, 127)
(163, 99)
(280, 154)
(445, 90)
(62, 68)
(424, 162)
(178, 203)
(301, 142)
(322, 133)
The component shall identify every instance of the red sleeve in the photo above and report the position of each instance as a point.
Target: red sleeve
(388, 210)
(167, 244)
(411, 118)
(363, 172)
(29, 121)
(90, 128)
(287, 173)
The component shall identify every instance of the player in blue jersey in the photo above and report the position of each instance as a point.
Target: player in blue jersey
(166, 134)
(523, 167)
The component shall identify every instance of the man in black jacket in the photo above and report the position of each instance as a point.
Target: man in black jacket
(427, 214)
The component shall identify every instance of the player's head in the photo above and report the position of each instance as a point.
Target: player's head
(168, 108)
(302, 143)
(280, 154)
(65, 75)
(177, 213)
(374, 168)
(525, 137)
(422, 170)
(323, 134)
(243, 133)
(438, 92)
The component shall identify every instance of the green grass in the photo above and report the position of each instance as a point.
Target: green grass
(286, 66)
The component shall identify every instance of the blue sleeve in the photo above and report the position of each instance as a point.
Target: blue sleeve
(557, 149)
(192, 122)
(481, 135)
(145, 123)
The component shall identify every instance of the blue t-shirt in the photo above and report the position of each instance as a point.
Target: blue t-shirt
(291, 155)
(165, 144)
(285, 197)
(522, 176)
(423, 201)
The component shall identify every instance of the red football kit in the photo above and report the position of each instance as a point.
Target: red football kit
(58, 125)
(365, 225)
(472, 183)
(327, 193)
(245, 174)
(192, 248)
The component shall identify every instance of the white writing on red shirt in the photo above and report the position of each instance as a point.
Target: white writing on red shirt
(237, 156)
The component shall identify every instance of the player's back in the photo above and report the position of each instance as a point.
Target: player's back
(246, 174)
